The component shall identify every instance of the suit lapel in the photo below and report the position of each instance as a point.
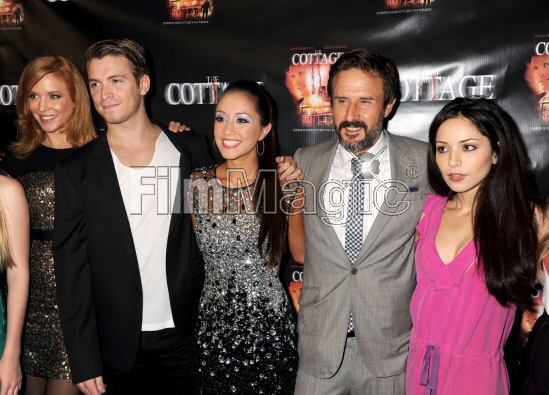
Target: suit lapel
(108, 180)
(184, 173)
(401, 161)
(319, 176)
(180, 200)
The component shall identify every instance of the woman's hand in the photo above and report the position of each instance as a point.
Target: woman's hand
(177, 127)
(11, 376)
(16, 212)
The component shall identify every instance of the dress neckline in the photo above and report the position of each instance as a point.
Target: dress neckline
(462, 251)
(435, 234)
(42, 146)
(445, 276)
(218, 181)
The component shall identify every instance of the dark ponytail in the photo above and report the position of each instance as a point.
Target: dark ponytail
(273, 221)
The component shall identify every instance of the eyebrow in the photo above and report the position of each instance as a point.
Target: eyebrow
(361, 98)
(237, 113)
(461, 141)
(49, 93)
(110, 77)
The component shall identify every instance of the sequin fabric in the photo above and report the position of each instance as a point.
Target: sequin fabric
(245, 337)
(43, 353)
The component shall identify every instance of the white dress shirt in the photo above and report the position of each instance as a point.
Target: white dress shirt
(335, 193)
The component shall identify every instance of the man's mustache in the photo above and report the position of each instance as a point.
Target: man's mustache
(352, 124)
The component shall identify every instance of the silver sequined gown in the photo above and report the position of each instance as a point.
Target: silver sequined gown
(245, 337)
(43, 353)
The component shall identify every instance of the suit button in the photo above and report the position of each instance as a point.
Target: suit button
(354, 270)
(138, 290)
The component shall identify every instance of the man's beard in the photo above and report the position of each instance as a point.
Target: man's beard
(370, 135)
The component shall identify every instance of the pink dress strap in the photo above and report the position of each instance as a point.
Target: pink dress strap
(432, 200)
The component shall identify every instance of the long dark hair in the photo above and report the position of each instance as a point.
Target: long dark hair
(273, 226)
(504, 224)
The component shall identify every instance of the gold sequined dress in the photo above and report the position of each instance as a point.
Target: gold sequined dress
(44, 353)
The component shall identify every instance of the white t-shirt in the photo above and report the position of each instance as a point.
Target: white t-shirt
(149, 194)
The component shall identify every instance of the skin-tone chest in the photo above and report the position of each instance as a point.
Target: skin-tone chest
(135, 153)
(455, 232)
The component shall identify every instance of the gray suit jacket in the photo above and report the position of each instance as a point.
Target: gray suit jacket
(379, 292)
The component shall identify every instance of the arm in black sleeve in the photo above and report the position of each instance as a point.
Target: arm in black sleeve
(73, 277)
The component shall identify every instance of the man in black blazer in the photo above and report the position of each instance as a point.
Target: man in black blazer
(129, 272)
(109, 255)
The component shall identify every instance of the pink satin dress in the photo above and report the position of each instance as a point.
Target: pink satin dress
(459, 329)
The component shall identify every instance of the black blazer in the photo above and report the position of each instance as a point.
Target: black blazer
(98, 279)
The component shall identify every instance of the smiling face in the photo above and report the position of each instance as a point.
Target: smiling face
(51, 104)
(237, 127)
(463, 155)
(115, 93)
(358, 108)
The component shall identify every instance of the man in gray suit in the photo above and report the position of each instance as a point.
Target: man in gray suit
(364, 195)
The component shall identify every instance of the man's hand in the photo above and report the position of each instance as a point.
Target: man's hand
(177, 127)
(288, 170)
(93, 386)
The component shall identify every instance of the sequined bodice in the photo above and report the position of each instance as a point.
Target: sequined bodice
(246, 333)
(36, 175)
(227, 233)
(40, 190)
(44, 353)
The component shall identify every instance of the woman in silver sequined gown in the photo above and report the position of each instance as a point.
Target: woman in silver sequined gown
(245, 337)
(54, 118)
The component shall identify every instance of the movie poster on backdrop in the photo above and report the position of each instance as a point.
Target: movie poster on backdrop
(406, 6)
(306, 80)
(12, 19)
(186, 12)
(307, 83)
(12, 14)
(537, 77)
(534, 66)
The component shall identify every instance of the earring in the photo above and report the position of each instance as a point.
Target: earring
(262, 147)
(215, 146)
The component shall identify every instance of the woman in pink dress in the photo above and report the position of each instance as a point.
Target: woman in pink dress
(476, 252)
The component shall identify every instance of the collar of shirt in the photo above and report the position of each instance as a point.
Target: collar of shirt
(342, 158)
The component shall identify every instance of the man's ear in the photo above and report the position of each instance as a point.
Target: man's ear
(144, 84)
(388, 108)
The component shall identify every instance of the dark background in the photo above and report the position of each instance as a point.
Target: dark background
(444, 42)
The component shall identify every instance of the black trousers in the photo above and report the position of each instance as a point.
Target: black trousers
(163, 366)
